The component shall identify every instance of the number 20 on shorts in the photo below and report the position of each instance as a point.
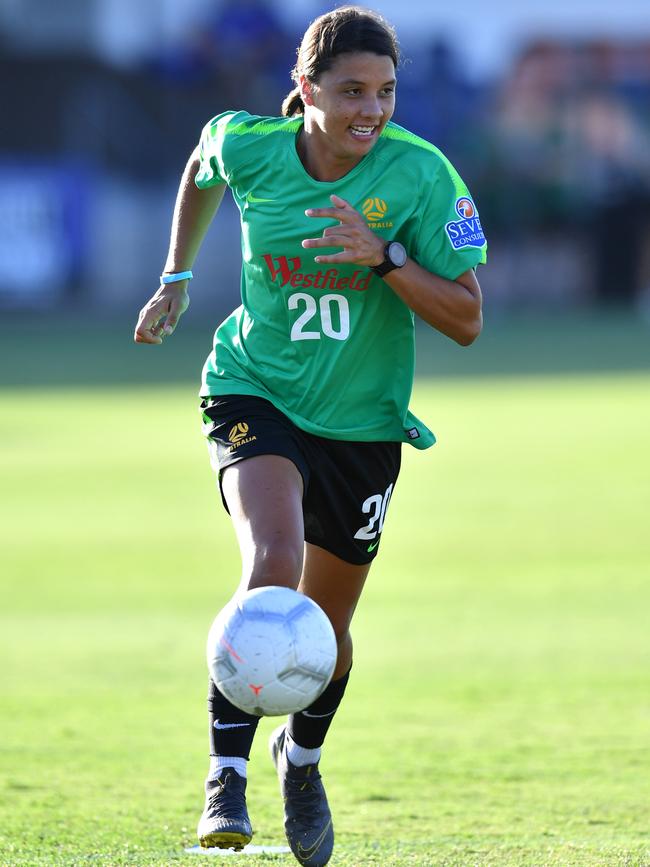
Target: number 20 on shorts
(375, 507)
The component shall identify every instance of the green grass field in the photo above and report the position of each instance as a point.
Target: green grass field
(499, 712)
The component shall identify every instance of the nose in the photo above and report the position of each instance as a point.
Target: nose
(372, 108)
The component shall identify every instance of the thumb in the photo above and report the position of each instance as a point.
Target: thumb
(170, 323)
(176, 309)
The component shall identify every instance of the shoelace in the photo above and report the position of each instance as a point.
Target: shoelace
(228, 797)
(304, 795)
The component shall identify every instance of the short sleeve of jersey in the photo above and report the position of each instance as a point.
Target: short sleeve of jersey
(450, 239)
(216, 151)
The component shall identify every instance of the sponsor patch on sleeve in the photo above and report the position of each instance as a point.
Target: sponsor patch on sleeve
(467, 231)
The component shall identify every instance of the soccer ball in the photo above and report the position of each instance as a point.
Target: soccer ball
(271, 651)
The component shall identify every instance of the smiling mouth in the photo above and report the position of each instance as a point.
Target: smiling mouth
(363, 132)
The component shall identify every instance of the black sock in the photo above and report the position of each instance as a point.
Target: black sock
(231, 730)
(309, 727)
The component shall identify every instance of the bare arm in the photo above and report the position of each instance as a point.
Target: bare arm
(450, 306)
(453, 307)
(193, 213)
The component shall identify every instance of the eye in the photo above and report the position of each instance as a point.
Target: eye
(387, 91)
(353, 91)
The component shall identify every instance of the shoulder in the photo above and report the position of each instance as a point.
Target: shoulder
(236, 141)
(243, 126)
(402, 139)
(419, 157)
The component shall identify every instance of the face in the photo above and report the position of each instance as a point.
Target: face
(351, 104)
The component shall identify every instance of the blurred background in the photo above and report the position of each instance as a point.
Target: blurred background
(514, 569)
(543, 108)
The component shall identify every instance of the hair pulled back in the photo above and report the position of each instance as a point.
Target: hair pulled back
(342, 31)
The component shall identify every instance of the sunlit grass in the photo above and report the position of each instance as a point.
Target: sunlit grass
(499, 711)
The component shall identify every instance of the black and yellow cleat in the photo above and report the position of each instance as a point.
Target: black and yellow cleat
(224, 823)
(307, 818)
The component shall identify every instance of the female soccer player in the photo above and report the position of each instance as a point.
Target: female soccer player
(350, 225)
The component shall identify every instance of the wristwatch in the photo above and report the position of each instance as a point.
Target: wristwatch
(394, 257)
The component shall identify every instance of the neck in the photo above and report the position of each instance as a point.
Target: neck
(321, 164)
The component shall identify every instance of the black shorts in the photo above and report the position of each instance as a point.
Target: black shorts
(347, 485)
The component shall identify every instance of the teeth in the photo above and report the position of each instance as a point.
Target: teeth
(365, 130)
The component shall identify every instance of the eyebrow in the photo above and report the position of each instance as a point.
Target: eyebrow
(355, 81)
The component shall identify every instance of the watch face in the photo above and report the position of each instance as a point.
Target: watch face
(397, 254)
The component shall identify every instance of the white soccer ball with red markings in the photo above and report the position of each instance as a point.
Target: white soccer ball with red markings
(271, 651)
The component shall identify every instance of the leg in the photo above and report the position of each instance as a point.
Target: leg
(344, 511)
(264, 498)
(336, 586)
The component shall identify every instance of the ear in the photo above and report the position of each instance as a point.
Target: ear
(306, 91)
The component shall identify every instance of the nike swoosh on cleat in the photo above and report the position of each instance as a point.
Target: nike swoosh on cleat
(252, 199)
(305, 854)
(317, 715)
(373, 546)
(219, 725)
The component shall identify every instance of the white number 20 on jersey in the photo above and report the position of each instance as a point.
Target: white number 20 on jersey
(326, 305)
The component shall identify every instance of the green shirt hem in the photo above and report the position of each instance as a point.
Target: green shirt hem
(423, 440)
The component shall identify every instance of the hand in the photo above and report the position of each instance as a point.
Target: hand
(360, 244)
(160, 314)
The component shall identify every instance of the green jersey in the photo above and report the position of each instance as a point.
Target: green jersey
(332, 347)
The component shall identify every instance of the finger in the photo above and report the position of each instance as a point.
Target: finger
(345, 257)
(146, 331)
(329, 241)
(144, 336)
(340, 203)
(154, 330)
(342, 214)
(341, 231)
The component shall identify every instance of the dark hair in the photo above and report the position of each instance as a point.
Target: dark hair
(341, 31)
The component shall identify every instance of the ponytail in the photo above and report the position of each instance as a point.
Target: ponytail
(346, 30)
(293, 103)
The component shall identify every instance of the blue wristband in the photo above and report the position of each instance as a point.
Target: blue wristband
(175, 278)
